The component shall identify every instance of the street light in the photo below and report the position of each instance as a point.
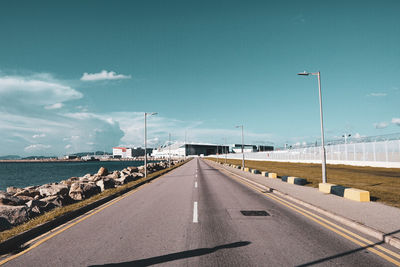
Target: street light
(322, 123)
(346, 135)
(145, 140)
(169, 150)
(226, 152)
(241, 126)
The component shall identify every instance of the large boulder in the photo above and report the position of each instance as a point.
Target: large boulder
(70, 181)
(58, 201)
(105, 184)
(90, 189)
(132, 169)
(102, 172)
(140, 169)
(28, 192)
(12, 215)
(76, 192)
(9, 200)
(53, 189)
(13, 190)
(114, 175)
(37, 207)
(125, 179)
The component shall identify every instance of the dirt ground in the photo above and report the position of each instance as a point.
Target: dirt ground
(382, 183)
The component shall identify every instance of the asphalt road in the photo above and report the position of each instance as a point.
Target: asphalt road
(158, 224)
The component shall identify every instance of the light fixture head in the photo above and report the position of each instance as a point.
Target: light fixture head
(303, 73)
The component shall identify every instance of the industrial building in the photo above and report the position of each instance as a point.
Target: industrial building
(125, 152)
(237, 148)
(182, 149)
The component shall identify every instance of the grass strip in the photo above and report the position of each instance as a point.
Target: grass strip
(382, 183)
(57, 212)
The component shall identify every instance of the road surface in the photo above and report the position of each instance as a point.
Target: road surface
(192, 217)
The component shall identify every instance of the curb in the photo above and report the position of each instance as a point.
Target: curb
(15, 242)
(387, 238)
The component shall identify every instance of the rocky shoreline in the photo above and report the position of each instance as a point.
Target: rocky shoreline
(19, 205)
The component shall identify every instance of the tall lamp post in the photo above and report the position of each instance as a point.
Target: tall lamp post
(322, 123)
(241, 126)
(145, 140)
(169, 150)
(346, 135)
(226, 152)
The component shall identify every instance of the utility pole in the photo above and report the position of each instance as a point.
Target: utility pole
(169, 150)
(145, 141)
(323, 152)
(241, 126)
(185, 146)
(226, 152)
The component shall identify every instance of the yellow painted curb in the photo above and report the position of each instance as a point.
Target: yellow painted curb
(357, 194)
(272, 175)
(264, 174)
(325, 188)
(247, 169)
(290, 180)
(254, 171)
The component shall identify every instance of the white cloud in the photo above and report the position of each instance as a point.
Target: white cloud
(29, 92)
(396, 121)
(381, 125)
(36, 147)
(103, 75)
(68, 146)
(377, 94)
(54, 106)
(38, 135)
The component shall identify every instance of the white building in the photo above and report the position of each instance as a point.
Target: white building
(122, 152)
(180, 149)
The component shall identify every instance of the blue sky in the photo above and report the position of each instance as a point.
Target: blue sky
(78, 75)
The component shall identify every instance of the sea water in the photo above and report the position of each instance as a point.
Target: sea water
(22, 174)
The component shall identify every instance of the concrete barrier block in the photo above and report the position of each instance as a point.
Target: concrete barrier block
(255, 171)
(272, 175)
(284, 178)
(264, 174)
(325, 188)
(290, 179)
(296, 180)
(357, 194)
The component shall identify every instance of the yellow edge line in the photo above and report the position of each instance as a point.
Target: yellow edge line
(74, 223)
(295, 208)
(394, 254)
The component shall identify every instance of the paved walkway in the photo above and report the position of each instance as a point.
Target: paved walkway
(372, 214)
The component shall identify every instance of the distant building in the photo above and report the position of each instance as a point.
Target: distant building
(181, 149)
(237, 148)
(125, 152)
(122, 152)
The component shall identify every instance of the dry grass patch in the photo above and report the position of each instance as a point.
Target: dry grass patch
(382, 183)
(57, 212)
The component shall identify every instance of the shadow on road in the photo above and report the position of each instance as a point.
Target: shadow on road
(178, 255)
(347, 252)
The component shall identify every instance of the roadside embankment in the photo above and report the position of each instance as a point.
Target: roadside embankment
(22, 209)
(382, 183)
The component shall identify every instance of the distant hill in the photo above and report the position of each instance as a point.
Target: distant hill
(40, 157)
(81, 154)
(10, 157)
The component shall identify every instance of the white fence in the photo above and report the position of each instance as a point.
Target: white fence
(375, 154)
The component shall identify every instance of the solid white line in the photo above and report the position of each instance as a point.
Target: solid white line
(195, 175)
(195, 184)
(195, 215)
